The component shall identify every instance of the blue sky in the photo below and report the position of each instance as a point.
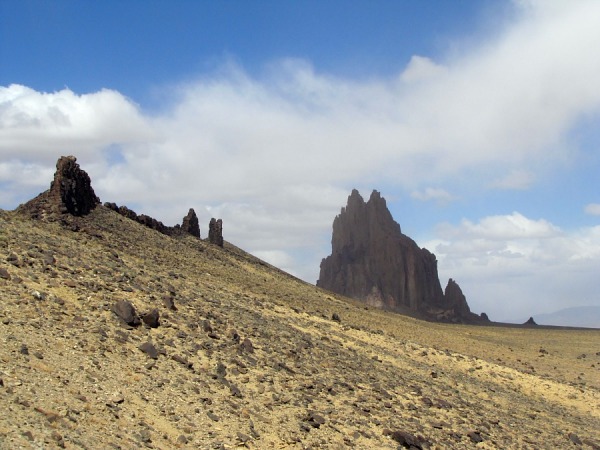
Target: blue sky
(476, 120)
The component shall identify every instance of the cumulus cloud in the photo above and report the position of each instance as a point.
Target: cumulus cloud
(436, 194)
(515, 266)
(592, 209)
(517, 179)
(276, 156)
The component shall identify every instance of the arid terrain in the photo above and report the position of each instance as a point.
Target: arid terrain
(245, 355)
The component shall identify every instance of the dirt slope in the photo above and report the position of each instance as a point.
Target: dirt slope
(252, 357)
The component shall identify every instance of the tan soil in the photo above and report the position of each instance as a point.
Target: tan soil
(72, 375)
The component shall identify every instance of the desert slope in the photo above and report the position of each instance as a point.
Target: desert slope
(253, 357)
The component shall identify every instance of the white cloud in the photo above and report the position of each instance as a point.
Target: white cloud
(515, 267)
(592, 209)
(516, 179)
(421, 68)
(439, 195)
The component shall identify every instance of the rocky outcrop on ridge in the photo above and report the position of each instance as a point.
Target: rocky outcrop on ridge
(70, 192)
(215, 232)
(373, 261)
(190, 224)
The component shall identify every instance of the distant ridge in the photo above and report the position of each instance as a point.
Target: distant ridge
(578, 316)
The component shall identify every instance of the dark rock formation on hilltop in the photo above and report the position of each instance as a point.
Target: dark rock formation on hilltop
(70, 192)
(373, 261)
(215, 232)
(189, 226)
(190, 223)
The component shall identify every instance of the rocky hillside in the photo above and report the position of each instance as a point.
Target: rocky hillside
(114, 335)
(373, 261)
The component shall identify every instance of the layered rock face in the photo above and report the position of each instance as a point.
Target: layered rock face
(373, 261)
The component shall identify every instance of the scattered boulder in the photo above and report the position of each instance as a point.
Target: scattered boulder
(406, 440)
(475, 436)
(4, 274)
(190, 224)
(246, 346)
(126, 312)
(149, 349)
(215, 232)
(151, 318)
(314, 420)
(169, 302)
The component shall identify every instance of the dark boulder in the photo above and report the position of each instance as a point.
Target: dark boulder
(152, 318)
(126, 312)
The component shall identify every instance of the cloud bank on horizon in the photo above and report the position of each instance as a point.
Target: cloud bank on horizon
(276, 155)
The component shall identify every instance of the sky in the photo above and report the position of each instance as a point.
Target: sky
(477, 121)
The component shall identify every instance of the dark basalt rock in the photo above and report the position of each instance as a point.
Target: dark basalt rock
(152, 318)
(371, 260)
(70, 192)
(190, 223)
(126, 312)
(530, 321)
(215, 232)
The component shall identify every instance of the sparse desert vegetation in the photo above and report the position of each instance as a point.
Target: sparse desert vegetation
(245, 355)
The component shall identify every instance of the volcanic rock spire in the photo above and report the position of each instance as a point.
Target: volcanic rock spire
(70, 192)
(371, 260)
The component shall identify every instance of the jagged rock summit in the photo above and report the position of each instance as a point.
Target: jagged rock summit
(70, 192)
(373, 261)
(190, 224)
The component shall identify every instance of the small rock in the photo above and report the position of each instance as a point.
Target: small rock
(212, 416)
(117, 398)
(169, 302)
(243, 437)
(182, 360)
(28, 435)
(336, 317)
(149, 349)
(406, 439)
(24, 350)
(475, 436)
(182, 439)
(246, 346)
(235, 391)
(575, 439)
(4, 274)
(152, 318)
(314, 420)
(126, 312)
(206, 326)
